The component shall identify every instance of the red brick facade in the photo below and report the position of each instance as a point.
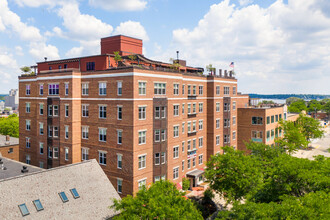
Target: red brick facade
(139, 92)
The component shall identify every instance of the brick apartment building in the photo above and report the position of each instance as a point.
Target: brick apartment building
(260, 123)
(143, 120)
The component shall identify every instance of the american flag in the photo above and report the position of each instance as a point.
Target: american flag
(231, 64)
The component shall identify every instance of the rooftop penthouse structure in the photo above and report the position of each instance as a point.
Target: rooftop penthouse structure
(142, 120)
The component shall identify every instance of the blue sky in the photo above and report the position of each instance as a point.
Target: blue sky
(278, 46)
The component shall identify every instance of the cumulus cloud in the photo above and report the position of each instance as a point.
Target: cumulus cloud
(39, 50)
(74, 52)
(274, 49)
(122, 5)
(245, 2)
(19, 51)
(132, 29)
(8, 70)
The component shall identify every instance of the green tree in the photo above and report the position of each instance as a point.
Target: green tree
(10, 126)
(210, 68)
(326, 108)
(161, 201)
(297, 106)
(25, 69)
(314, 105)
(233, 174)
(290, 100)
(117, 57)
(309, 127)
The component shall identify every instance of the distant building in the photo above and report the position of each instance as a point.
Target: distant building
(260, 123)
(77, 191)
(12, 99)
(2, 105)
(9, 147)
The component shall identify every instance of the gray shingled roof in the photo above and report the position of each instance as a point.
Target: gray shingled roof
(12, 141)
(13, 168)
(95, 190)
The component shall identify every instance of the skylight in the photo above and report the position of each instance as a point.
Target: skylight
(74, 193)
(38, 205)
(24, 209)
(63, 197)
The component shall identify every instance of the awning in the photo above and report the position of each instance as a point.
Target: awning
(195, 173)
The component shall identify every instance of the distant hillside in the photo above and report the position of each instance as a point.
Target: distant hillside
(2, 96)
(285, 96)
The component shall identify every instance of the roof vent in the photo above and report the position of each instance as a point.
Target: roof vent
(45, 59)
(7, 140)
(25, 169)
(2, 167)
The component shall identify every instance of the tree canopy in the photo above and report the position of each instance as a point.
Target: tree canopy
(162, 200)
(10, 126)
(297, 106)
(272, 183)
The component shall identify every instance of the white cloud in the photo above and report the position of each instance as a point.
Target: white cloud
(2, 26)
(132, 29)
(9, 70)
(19, 51)
(14, 23)
(275, 49)
(39, 50)
(74, 52)
(245, 2)
(35, 3)
(122, 5)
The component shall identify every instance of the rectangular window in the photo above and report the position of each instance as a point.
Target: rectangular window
(176, 131)
(102, 111)
(226, 107)
(157, 112)
(234, 90)
(41, 128)
(28, 107)
(50, 110)
(189, 89)
(234, 120)
(142, 113)
(119, 112)
(226, 123)
(84, 153)
(102, 158)
(160, 88)
(66, 153)
(66, 88)
(226, 138)
(142, 88)
(176, 110)
(63, 197)
(142, 137)
(27, 142)
(142, 183)
(183, 127)
(90, 66)
(189, 163)
(257, 120)
(175, 152)
(183, 109)
(41, 164)
(65, 66)
(194, 90)
(176, 89)
(38, 205)
(41, 89)
(41, 108)
(194, 144)
(102, 134)
(66, 110)
(217, 123)
(217, 107)
(163, 155)
(119, 88)
(200, 107)
(200, 142)
(55, 152)
(119, 137)
(28, 125)
(272, 134)
(217, 140)
(194, 108)
(226, 90)
(55, 110)
(119, 161)
(183, 89)
(163, 135)
(200, 159)
(119, 185)
(163, 112)
(182, 165)
(217, 90)
(189, 108)
(157, 135)
(28, 89)
(50, 131)
(272, 119)
(85, 88)
(142, 162)
(234, 135)
(74, 193)
(183, 143)
(234, 105)
(200, 124)
(175, 173)
(268, 119)
(41, 148)
(157, 158)
(194, 162)
(50, 152)
(189, 145)
(102, 88)
(84, 132)
(200, 91)
(276, 118)
(66, 128)
(53, 89)
(24, 210)
(55, 131)
(189, 127)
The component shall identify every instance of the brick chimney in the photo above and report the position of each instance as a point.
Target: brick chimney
(125, 45)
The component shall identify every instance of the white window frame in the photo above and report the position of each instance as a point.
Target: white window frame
(142, 134)
(103, 88)
(175, 173)
(142, 112)
(142, 161)
(103, 158)
(84, 132)
(176, 152)
(175, 131)
(142, 88)
(176, 110)
(84, 153)
(119, 161)
(103, 132)
(119, 88)
(217, 140)
(85, 88)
